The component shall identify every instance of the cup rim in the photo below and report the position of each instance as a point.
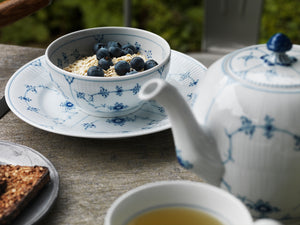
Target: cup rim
(155, 184)
(117, 78)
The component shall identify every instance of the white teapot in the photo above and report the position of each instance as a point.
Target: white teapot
(243, 131)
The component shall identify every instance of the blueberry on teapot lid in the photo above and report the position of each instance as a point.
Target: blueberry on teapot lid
(279, 43)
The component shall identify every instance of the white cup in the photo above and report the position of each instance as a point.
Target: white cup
(204, 197)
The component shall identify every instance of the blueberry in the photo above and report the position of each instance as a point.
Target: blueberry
(102, 53)
(97, 46)
(131, 47)
(122, 67)
(95, 71)
(131, 72)
(105, 63)
(113, 44)
(127, 51)
(149, 64)
(115, 51)
(137, 63)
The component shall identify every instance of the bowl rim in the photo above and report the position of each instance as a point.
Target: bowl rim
(115, 78)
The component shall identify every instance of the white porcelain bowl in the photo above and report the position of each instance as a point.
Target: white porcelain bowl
(105, 96)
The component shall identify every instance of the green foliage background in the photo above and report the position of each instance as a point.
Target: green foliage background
(180, 22)
(281, 16)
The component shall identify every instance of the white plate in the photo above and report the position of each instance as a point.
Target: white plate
(36, 99)
(21, 155)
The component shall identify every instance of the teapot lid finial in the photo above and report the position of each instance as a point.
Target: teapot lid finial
(279, 43)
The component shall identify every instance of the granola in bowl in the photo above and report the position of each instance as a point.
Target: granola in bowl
(110, 60)
(81, 66)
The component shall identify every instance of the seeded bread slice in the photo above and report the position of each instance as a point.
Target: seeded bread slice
(22, 184)
(3, 185)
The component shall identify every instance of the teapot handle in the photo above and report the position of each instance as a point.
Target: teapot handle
(267, 222)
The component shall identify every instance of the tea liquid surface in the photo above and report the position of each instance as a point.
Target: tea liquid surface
(175, 216)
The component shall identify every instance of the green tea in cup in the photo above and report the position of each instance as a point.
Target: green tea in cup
(180, 203)
(174, 216)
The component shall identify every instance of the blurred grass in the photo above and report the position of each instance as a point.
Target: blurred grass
(281, 16)
(179, 22)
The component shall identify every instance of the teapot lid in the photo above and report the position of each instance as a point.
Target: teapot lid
(266, 65)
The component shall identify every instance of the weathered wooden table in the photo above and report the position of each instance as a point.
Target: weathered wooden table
(93, 172)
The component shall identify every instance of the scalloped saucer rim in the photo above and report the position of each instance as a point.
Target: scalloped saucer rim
(35, 98)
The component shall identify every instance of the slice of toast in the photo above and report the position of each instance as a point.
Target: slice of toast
(3, 185)
(21, 185)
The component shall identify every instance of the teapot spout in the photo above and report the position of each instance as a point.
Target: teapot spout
(196, 150)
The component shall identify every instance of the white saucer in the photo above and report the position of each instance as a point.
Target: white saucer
(35, 99)
(14, 154)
